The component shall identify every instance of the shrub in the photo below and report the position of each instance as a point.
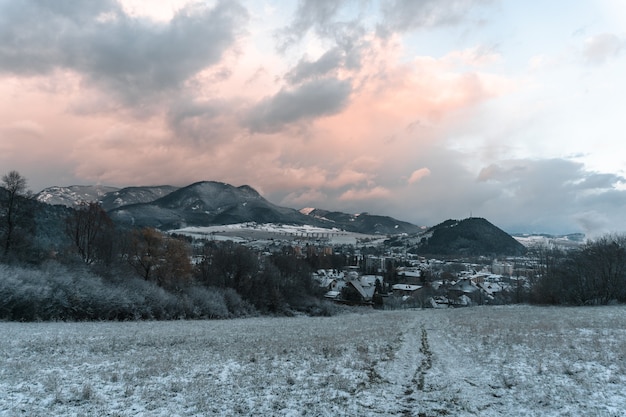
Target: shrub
(55, 292)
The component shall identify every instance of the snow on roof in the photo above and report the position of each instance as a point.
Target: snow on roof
(405, 287)
(465, 286)
(325, 282)
(367, 293)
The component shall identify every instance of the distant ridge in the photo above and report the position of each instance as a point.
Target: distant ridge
(363, 222)
(135, 195)
(207, 203)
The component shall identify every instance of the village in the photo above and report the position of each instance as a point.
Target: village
(424, 283)
(356, 269)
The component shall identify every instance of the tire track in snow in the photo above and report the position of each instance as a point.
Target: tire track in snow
(405, 377)
(412, 397)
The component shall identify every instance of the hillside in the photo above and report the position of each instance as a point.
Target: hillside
(471, 236)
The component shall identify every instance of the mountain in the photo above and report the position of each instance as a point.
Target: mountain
(109, 197)
(471, 236)
(211, 203)
(207, 203)
(363, 222)
(134, 195)
(73, 195)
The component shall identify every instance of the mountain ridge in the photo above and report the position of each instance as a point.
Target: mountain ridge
(209, 203)
(373, 222)
(204, 203)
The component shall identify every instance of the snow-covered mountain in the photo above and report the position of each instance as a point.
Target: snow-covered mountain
(109, 197)
(74, 194)
(207, 203)
(210, 203)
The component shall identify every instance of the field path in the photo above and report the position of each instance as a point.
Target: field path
(429, 376)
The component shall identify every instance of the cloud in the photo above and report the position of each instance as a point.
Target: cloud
(317, 14)
(21, 128)
(376, 192)
(593, 223)
(133, 58)
(598, 181)
(602, 47)
(313, 99)
(418, 174)
(407, 15)
(306, 70)
(554, 194)
(299, 199)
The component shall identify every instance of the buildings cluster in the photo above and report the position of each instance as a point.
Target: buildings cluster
(422, 283)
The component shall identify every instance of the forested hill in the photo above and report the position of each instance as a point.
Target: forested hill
(471, 236)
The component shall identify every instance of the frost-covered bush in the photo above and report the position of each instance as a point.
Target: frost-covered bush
(56, 292)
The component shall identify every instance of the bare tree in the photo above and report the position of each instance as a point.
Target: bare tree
(14, 185)
(90, 228)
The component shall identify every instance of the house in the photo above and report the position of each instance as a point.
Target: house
(370, 280)
(463, 286)
(502, 268)
(354, 293)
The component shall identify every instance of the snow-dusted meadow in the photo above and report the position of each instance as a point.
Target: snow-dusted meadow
(254, 232)
(486, 361)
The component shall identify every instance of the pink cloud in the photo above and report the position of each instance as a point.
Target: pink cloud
(365, 194)
(300, 199)
(417, 175)
(394, 114)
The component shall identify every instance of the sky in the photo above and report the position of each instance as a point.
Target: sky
(421, 110)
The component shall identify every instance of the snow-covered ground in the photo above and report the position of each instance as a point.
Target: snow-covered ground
(483, 361)
(242, 232)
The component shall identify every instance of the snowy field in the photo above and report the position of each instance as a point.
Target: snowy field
(483, 361)
(251, 232)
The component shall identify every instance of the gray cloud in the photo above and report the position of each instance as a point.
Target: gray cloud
(601, 47)
(406, 15)
(553, 195)
(186, 115)
(311, 14)
(596, 181)
(306, 70)
(131, 57)
(316, 98)
(524, 195)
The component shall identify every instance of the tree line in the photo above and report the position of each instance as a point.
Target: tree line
(138, 273)
(594, 274)
(86, 267)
